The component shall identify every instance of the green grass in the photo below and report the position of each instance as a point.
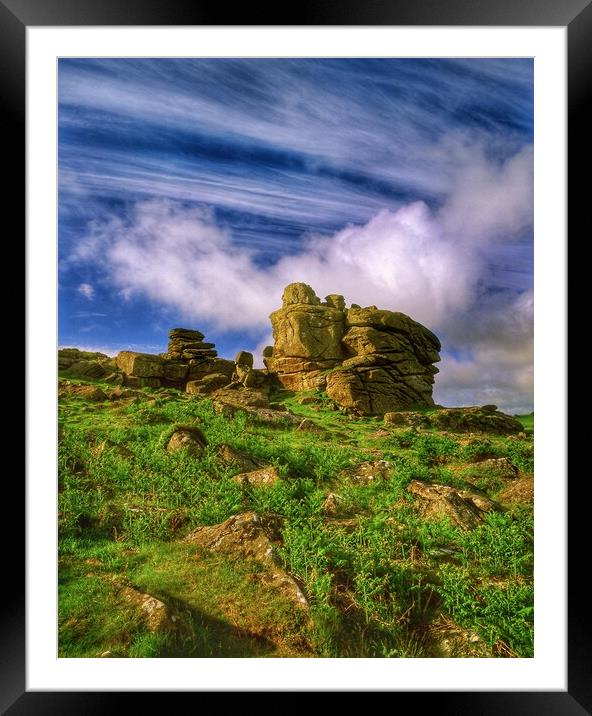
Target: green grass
(376, 576)
(94, 618)
(527, 421)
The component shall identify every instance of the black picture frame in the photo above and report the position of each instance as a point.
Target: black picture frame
(576, 15)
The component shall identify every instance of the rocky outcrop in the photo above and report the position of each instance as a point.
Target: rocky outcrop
(189, 361)
(370, 361)
(473, 419)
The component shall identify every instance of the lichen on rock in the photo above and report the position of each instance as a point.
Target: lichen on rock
(370, 361)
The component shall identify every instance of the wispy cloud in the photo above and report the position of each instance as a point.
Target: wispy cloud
(204, 186)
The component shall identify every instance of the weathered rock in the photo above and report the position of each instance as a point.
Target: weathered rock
(395, 419)
(520, 491)
(250, 377)
(69, 356)
(274, 417)
(500, 466)
(307, 339)
(244, 358)
(446, 639)
(299, 293)
(232, 456)
(125, 394)
(256, 478)
(367, 472)
(141, 365)
(187, 438)
(158, 616)
(87, 369)
(464, 508)
(255, 536)
(475, 419)
(187, 334)
(370, 361)
(85, 392)
(241, 398)
(208, 384)
(332, 504)
(335, 301)
(176, 372)
(115, 378)
(309, 400)
(133, 381)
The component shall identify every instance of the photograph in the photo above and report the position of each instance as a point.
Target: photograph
(295, 361)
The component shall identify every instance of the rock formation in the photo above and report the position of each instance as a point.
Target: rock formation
(370, 361)
(188, 361)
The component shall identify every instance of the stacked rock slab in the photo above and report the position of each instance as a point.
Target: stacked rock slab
(370, 361)
(187, 359)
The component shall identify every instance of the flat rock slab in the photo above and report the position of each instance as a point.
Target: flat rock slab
(241, 398)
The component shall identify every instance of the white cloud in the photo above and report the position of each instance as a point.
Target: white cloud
(86, 290)
(428, 264)
(497, 366)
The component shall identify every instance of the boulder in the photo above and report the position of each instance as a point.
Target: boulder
(87, 369)
(256, 478)
(140, 365)
(158, 616)
(125, 394)
(335, 301)
(69, 356)
(188, 438)
(133, 381)
(241, 398)
(299, 293)
(499, 466)
(367, 472)
(174, 371)
(85, 392)
(464, 508)
(519, 492)
(208, 384)
(332, 505)
(309, 426)
(244, 358)
(475, 419)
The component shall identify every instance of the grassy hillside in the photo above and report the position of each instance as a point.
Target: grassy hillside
(380, 580)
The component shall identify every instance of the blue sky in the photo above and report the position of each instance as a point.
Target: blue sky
(191, 191)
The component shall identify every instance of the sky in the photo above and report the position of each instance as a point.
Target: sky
(191, 191)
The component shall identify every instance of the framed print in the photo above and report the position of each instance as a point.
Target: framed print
(247, 248)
